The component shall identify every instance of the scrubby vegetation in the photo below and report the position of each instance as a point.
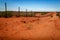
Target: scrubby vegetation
(43, 13)
(25, 14)
(58, 14)
(8, 14)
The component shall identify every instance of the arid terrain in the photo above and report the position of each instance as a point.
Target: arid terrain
(30, 28)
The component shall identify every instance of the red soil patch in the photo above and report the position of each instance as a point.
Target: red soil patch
(30, 28)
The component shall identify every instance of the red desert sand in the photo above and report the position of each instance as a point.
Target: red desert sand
(30, 28)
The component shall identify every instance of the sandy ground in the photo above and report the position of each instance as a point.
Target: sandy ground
(30, 28)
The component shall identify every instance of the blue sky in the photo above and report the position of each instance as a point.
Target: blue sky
(34, 5)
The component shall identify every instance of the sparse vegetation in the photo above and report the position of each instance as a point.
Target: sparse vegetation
(22, 14)
(43, 13)
(6, 15)
(1, 14)
(58, 14)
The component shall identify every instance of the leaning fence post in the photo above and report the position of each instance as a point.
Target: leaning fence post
(26, 12)
(31, 13)
(5, 9)
(18, 11)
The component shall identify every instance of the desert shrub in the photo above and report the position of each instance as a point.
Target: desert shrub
(1, 14)
(58, 14)
(43, 13)
(7, 14)
(32, 14)
(24, 14)
(21, 14)
(18, 15)
(29, 14)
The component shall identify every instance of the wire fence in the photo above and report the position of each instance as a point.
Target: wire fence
(19, 13)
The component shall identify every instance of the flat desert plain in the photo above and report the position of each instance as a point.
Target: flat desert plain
(30, 28)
